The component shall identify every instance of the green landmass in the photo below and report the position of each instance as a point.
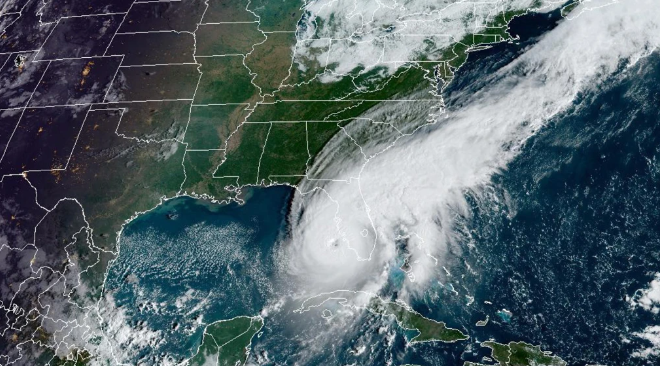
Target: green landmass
(75, 358)
(116, 176)
(227, 39)
(199, 165)
(227, 11)
(153, 120)
(496, 31)
(227, 342)
(519, 354)
(112, 177)
(211, 125)
(277, 15)
(570, 7)
(136, 173)
(341, 101)
(269, 61)
(244, 163)
(428, 329)
(224, 80)
(285, 152)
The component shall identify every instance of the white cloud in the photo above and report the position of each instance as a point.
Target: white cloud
(344, 232)
(345, 34)
(648, 298)
(652, 335)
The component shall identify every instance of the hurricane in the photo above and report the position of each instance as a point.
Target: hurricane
(350, 217)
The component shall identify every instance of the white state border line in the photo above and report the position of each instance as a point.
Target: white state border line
(222, 55)
(153, 32)
(36, 53)
(220, 104)
(346, 100)
(96, 308)
(112, 81)
(5, 63)
(238, 22)
(155, 1)
(152, 65)
(74, 58)
(183, 165)
(68, 159)
(115, 106)
(76, 105)
(22, 114)
(73, 148)
(12, 52)
(57, 23)
(302, 121)
(11, 21)
(118, 28)
(20, 14)
(215, 104)
(145, 101)
(205, 150)
(90, 15)
(156, 65)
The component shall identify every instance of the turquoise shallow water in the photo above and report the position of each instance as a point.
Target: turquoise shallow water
(561, 239)
(188, 263)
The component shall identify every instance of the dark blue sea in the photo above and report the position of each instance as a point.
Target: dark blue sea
(569, 232)
(566, 236)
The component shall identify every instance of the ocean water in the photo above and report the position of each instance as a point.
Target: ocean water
(188, 263)
(359, 338)
(551, 252)
(570, 231)
(565, 236)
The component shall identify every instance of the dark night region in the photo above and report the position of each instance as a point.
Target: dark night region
(154, 82)
(55, 233)
(79, 81)
(121, 166)
(7, 20)
(19, 212)
(80, 37)
(27, 33)
(153, 48)
(97, 147)
(55, 10)
(18, 79)
(124, 236)
(12, 6)
(8, 121)
(164, 16)
(43, 140)
(4, 59)
(167, 119)
(51, 57)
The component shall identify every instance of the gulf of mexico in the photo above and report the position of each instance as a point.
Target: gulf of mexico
(188, 263)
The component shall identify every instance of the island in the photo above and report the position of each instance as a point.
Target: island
(519, 354)
(428, 329)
